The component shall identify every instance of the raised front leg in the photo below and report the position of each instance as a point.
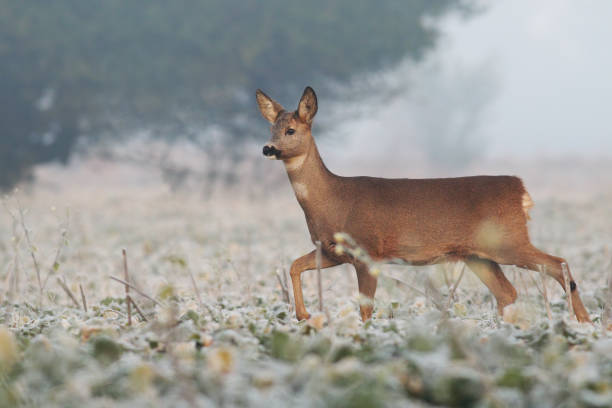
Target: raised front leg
(367, 287)
(305, 263)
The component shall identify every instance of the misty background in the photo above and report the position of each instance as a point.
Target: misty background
(406, 89)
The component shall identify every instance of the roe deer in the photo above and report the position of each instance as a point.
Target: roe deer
(480, 220)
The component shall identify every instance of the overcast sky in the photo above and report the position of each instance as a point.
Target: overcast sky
(548, 64)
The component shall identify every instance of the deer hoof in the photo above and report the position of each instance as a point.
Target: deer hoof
(303, 316)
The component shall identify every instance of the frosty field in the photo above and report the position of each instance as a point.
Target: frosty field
(229, 338)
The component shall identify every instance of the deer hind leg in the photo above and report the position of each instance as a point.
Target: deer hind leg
(367, 287)
(491, 275)
(532, 258)
(302, 264)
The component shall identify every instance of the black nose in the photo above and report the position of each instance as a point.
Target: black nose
(271, 151)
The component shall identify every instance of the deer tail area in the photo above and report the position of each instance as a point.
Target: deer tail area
(527, 202)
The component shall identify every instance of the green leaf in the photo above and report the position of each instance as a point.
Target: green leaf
(166, 292)
(176, 260)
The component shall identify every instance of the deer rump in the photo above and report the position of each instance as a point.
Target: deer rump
(425, 221)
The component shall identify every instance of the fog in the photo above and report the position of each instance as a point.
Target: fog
(515, 88)
(521, 80)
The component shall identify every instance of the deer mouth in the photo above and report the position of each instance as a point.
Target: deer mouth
(271, 152)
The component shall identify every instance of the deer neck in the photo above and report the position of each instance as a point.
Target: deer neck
(310, 179)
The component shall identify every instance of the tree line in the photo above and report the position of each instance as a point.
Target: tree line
(76, 69)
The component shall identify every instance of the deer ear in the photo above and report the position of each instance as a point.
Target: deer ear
(268, 107)
(307, 107)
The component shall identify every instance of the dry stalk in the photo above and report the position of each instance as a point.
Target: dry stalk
(436, 297)
(605, 318)
(55, 266)
(68, 292)
(31, 247)
(542, 290)
(249, 257)
(349, 278)
(542, 270)
(497, 318)
(141, 293)
(242, 277)
(14, 282)
(446, 278)
(524, 282)
(453, 289)
(283, 285)
(83, 297)
(515, 280)
(121, 314)
(195, 287)
(406, 284)
(9, 281)
(319, 283)
(142, 316)
(287, 280)
(127, 287)
(568, 291)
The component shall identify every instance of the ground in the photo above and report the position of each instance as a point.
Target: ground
(221, 333)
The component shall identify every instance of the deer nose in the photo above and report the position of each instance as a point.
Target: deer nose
(271, 151)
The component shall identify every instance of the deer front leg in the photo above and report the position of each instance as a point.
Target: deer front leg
(305, 263)
(367, 287)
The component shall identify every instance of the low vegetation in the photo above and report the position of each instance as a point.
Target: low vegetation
(213, 326)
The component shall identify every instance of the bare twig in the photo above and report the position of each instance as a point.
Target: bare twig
(515, 280)
(451, 294)
(68, 292)
(541, 287)
(141, 293)
(535, 283)
(14, 282)
(496, 315)
(195, 287)
(137, 309)
(406, 284)
(114, 311)
(542, 270)
(9, 281)
(248, 259)
(605, 318)
(283, 286)
(62, 242)
(436, 297)
(127, 287)
(522, 278)
(31, 246)
(83, 297)
(319, 283)
(446, 278)
(568, 290)
(286, 279)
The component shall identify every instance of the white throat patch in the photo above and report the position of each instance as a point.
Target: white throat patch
(301, 191)
(295, 163)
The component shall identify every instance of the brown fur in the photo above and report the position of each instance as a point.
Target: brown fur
(481, 220)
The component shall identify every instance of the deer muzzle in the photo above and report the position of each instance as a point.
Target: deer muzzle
(271, 152)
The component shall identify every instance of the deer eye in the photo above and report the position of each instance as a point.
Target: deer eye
(290, 131)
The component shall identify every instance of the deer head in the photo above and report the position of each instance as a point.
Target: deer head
(291, 131)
